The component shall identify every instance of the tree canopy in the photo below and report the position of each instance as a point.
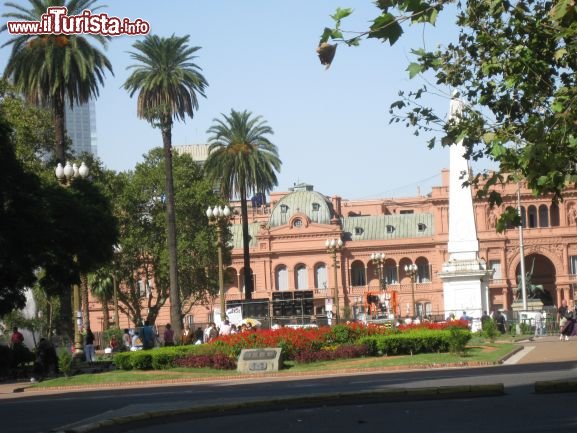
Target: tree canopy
(514, 65)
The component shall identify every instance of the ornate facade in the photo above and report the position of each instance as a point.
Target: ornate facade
(289, 253)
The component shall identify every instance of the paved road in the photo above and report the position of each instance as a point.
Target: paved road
(31, 412)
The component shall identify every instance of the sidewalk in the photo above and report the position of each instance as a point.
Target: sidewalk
(539, 350)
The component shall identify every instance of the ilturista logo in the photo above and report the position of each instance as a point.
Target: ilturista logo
(57, 21)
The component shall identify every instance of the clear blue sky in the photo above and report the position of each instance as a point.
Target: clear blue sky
(331, 126)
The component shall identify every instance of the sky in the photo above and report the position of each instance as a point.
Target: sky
(331, 126)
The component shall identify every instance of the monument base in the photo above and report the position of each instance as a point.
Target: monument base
(532, 304)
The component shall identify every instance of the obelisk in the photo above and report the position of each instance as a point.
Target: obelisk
(464, 275)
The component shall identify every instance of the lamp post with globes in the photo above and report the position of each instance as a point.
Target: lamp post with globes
(378, 260)
(219, 216)
(333, 247)
(66, 175)
(412, 269)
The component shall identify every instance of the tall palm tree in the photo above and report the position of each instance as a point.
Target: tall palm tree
(168, 84)
(101, 285)
(242, 161)
(52, 70)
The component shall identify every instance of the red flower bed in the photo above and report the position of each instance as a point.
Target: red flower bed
(220, 361)
(347, 351)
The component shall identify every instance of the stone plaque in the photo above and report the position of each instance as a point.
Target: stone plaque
(260, 360)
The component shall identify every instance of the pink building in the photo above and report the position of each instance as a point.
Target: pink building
(290, 261)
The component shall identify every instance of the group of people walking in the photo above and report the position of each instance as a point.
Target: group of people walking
(567, 316)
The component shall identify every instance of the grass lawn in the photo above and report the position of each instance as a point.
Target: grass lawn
(485, 352)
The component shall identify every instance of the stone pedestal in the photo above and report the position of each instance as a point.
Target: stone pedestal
(532, 305)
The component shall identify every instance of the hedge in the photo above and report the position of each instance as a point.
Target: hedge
(414, 342)
(160, 358)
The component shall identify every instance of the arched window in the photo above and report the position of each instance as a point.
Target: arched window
(424, 308)
(230, 279)
(423, 271)
(301, 277)
(523, 217)
(554, 210)
(391, 276)
(321, 276)
(543, 216)
(281, 278)
(532, 217)
(358, 274)
(242, 280)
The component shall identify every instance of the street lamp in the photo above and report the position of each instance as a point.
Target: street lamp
(66, 175)
(333, 246)
(218, 216)
(378, 260)
(412, 271)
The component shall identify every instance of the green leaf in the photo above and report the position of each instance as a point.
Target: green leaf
(341, 13)
(387, 28)
(327, 33)
(414, 69)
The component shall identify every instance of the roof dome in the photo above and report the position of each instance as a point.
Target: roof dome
(311, 203)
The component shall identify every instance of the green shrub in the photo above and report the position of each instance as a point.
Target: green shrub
(414, 342)
(525, 328)
(490, 330)
(65, 361)
(5, 360)
(141, 360)
(458, 339)
(160, 358)
(123, 360)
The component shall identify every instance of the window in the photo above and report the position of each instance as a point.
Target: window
(390, 228)
(495, 265)
(424, 309)
(359, 231)
(358, 274)
(391, 274)
(423, 271)
(543, 216)
(532, 217)
(301, 279)
(297, 223)
(421, 227)
(321, 276)
(573, 264)
(281, 278)
(316, 207)
(406, 212)
(554, 215)
(284, 208)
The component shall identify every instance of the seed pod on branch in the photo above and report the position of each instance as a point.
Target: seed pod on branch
(326, 53)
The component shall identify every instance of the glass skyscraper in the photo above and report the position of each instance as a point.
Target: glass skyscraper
(81, 128)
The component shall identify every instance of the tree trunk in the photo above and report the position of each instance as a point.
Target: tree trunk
(84, 295)
(59, 130)
(105, 313)
(245, 245)
(175, 313)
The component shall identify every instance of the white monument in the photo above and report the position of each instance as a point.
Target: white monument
(465, 276)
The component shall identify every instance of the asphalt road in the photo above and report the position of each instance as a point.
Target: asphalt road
(31, 413)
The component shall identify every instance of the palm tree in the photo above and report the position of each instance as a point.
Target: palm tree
(242, 161)
(101, 285)
(168, 84)
(50, 69)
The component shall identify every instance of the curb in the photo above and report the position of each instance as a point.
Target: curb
(389, 395)
(281, 375)
(510, 354)
(555, 386)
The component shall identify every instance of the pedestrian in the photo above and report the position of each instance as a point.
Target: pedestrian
(114, 344)
(562, 319)
(89, 352)
(224, 328)
(538, 324)
(147, 336)
(198, 336)
(127, 339)
(17, 339)
(168, 335)
(186, 337)
(501, 321)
